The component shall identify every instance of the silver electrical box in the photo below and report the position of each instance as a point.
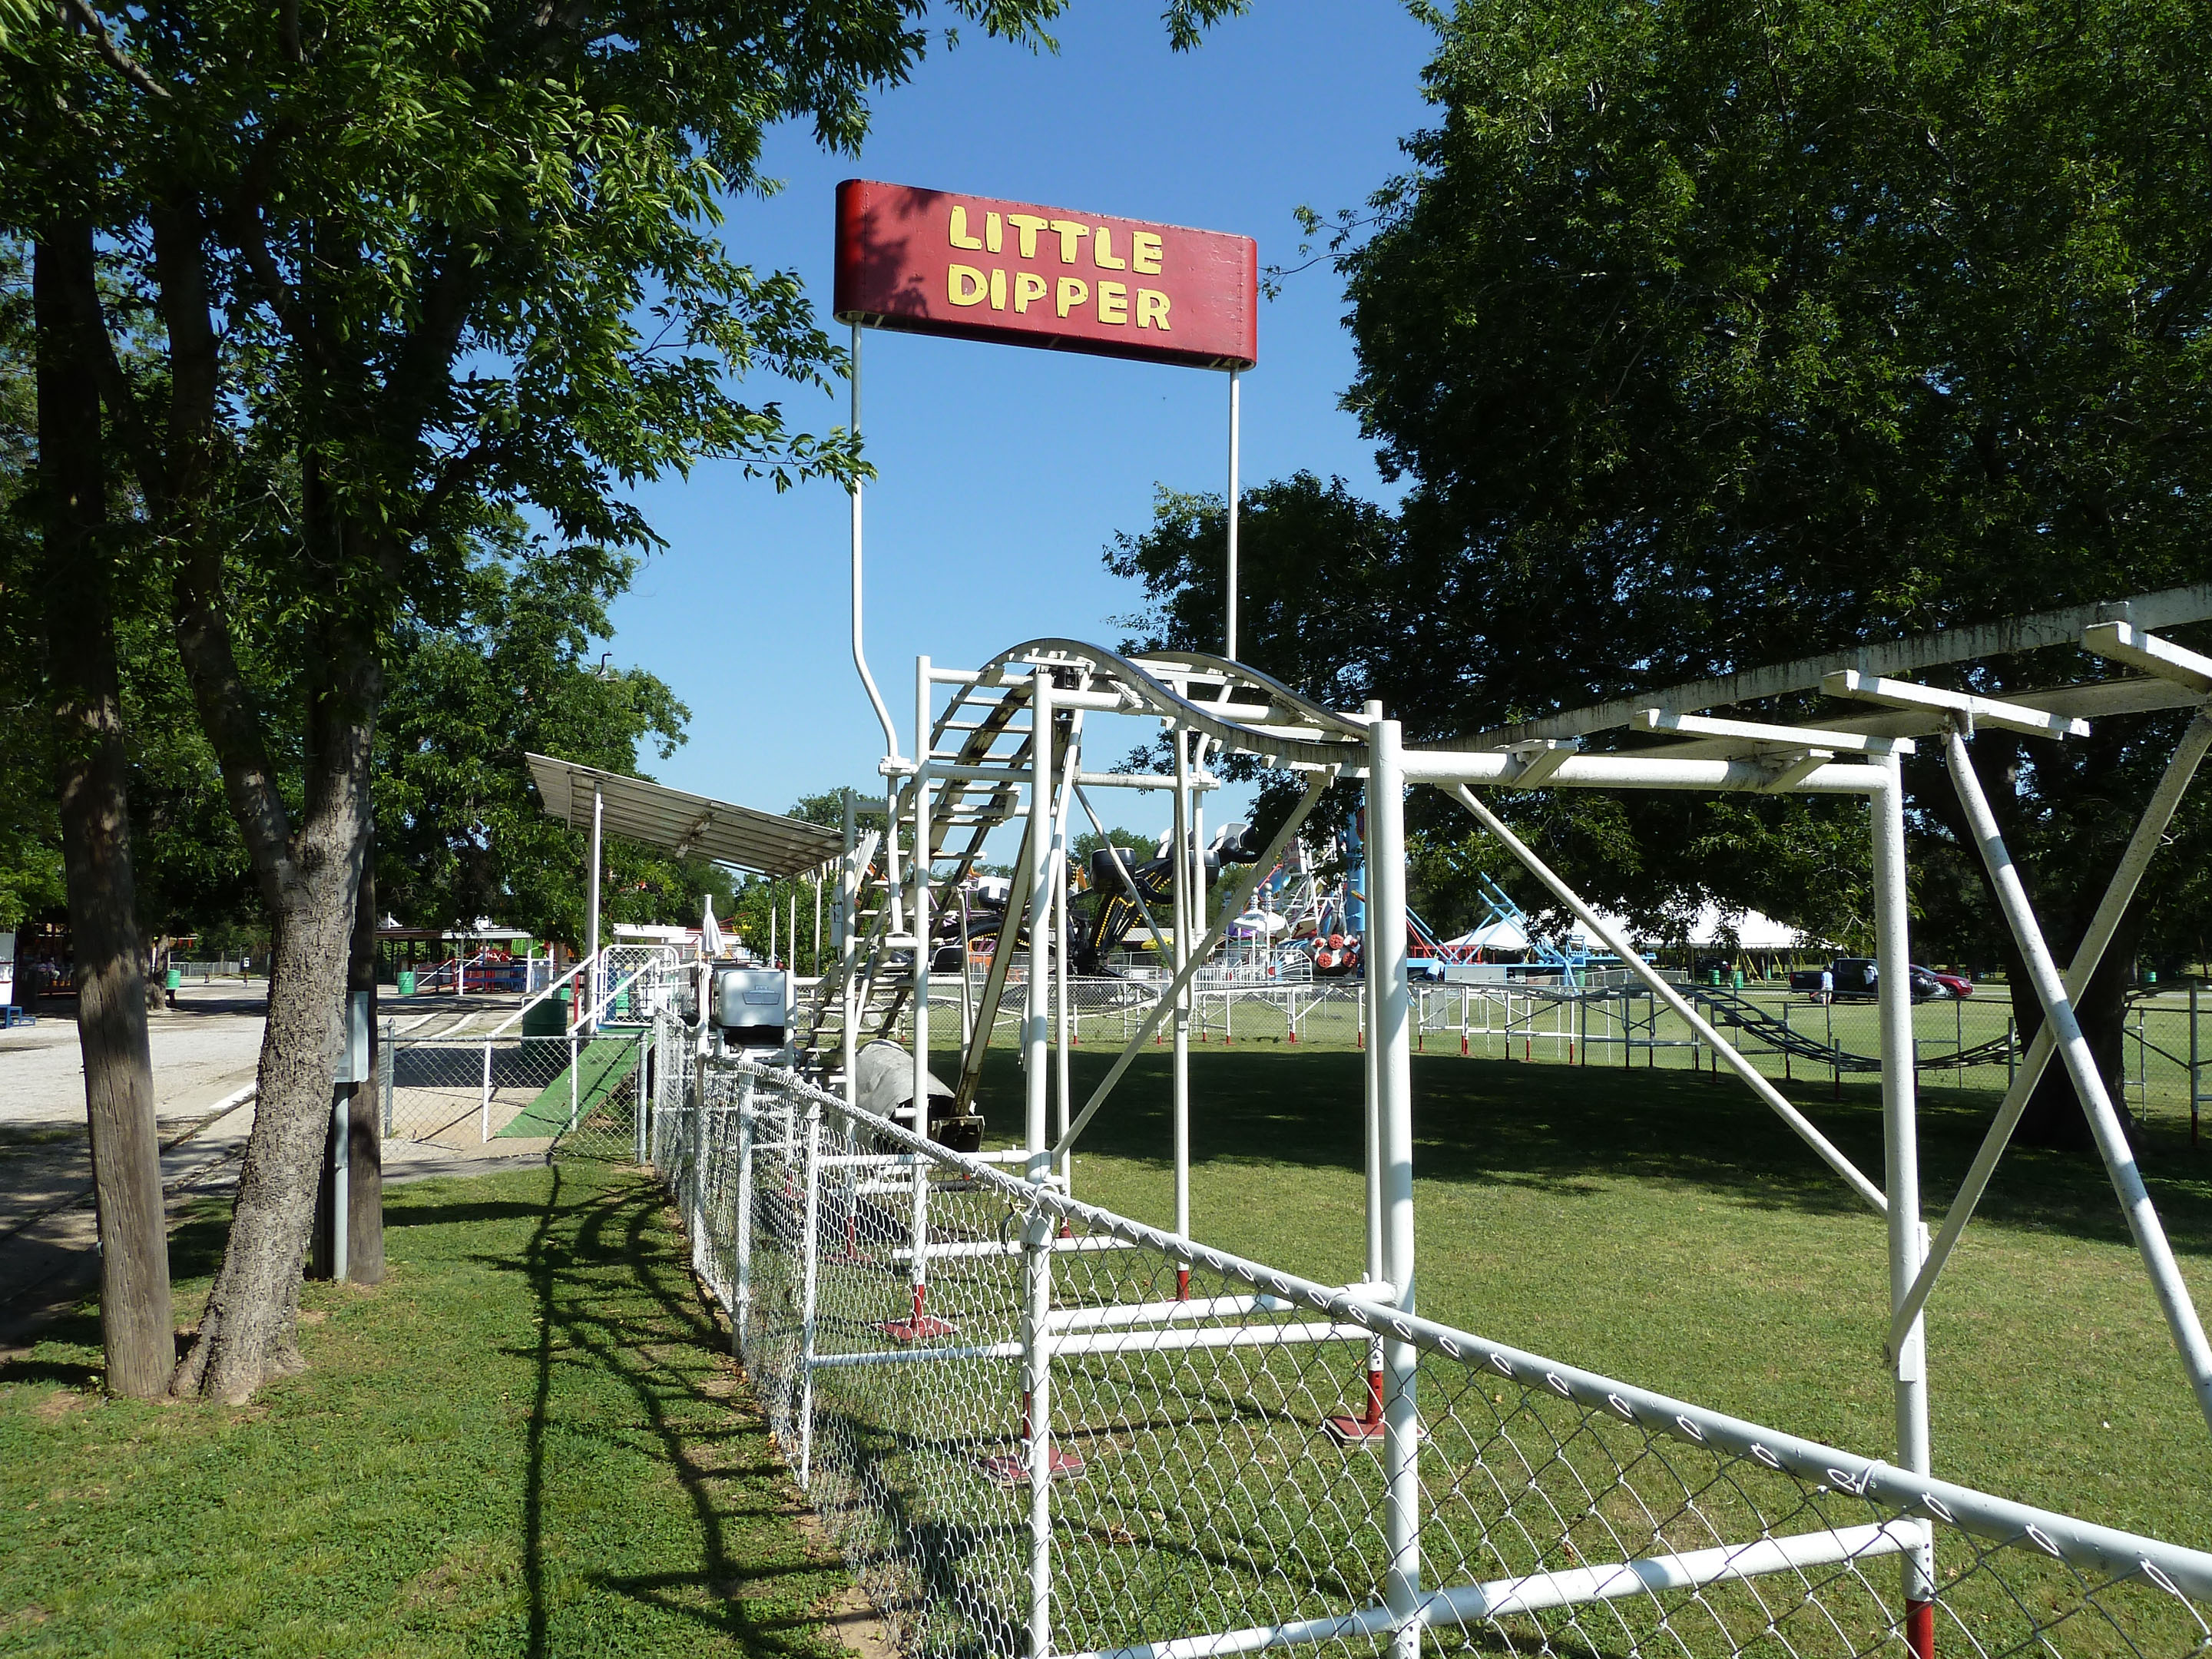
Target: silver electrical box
(747, 1006)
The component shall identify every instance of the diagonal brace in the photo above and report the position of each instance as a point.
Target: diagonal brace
(2088, 1082)
(1797, 1120)
(1230, 909)
(2150, 834)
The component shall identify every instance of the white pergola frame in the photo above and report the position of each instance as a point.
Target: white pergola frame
(1003, 745)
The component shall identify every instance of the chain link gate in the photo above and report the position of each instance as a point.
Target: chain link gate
(1103, 1441)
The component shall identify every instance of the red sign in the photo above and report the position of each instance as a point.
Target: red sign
(930, 262)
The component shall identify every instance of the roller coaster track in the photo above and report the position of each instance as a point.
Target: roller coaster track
(1726, 1008)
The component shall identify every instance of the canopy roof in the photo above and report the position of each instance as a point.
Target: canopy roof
(684, 823)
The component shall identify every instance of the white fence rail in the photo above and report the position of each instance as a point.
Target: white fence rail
(1091, 1439)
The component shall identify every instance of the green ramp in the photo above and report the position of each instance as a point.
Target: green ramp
(600, 1067)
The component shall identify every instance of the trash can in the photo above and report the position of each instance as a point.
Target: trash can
(551, 1017)
(1739, 979)
(406, 982)
(172, 978)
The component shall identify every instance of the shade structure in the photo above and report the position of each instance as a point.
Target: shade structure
(684, 823)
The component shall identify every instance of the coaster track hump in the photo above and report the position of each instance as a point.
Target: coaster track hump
(1729, 1009)
(1235, 707)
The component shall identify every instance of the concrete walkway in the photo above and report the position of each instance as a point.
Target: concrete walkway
(204, 1052)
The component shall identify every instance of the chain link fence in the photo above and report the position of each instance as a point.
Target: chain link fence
(1061, 1430)
(517, 1092)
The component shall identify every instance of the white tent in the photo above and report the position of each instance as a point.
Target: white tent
(1502, 934)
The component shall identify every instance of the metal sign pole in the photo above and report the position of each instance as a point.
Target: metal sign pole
(860, 655)
(1235, 399)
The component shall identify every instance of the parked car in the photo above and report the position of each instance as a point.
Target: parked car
(1853, 980)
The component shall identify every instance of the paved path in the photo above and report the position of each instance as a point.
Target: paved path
(204, 1055)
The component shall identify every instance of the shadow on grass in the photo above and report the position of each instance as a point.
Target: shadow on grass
(1568, 1130)
(613, 1294)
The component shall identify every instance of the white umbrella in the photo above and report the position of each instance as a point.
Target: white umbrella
(710, 934)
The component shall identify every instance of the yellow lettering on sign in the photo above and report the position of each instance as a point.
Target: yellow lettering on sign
(965, 285)
(960, 236)
(1151, 309)
(1074, 291)
(1145, 254)
(998, 287)
(995, 234)
(1026, 225)
(1028, 286)
(1069, 234)
(1113, 301)
(1102, 250)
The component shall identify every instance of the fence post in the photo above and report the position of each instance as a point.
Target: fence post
(645, 1089)
(1387, 978)
(810, 1255)
(1037, 1340)
(2193, 1073)
(741, 1312)
(574, 1053)
(694, 1191)
(484, 1108)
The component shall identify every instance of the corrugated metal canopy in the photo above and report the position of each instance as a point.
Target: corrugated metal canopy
(682, 824)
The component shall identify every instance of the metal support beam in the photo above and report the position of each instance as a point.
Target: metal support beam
(1985, 711)
(2150, 836)
(1673, 998)
(2088, 1082)
(1230, 911)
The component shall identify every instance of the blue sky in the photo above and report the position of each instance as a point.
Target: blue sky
(1004, 472)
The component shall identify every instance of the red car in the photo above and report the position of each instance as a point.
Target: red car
(1957, 984)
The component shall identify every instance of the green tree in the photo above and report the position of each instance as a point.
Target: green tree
(514, 670)
(1706, 336)
(389, 264)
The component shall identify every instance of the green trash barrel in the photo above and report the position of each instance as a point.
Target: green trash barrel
(1739, 979)
(406, 981)
(172, 978)
(551, 1017)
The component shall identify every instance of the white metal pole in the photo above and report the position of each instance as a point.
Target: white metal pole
(2088, 1083)
(919, 911)
(967, 990)
(1235, 399)
(814, 957)
(1181, 906)
(1908, 1235)
(1037, 1079)
(1037, 1242)
(810, 1252)
(860, 655)
(1063, 966)
(741, 1315)
(2022, 1075)
(1401, 1433)
(591, 907)
(1364, 1013)
(848, 953)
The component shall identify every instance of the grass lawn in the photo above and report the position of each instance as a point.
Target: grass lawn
(526, 1442)
(1664, 1228)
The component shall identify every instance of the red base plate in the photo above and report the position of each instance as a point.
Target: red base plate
(1351, 1430)
(1013, 1468)
(924, 1329)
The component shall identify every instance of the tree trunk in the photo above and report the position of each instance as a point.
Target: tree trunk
(2054, 1117)
(250, 1331)
(92, 775)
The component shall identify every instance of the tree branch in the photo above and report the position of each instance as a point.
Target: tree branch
(118, 59)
